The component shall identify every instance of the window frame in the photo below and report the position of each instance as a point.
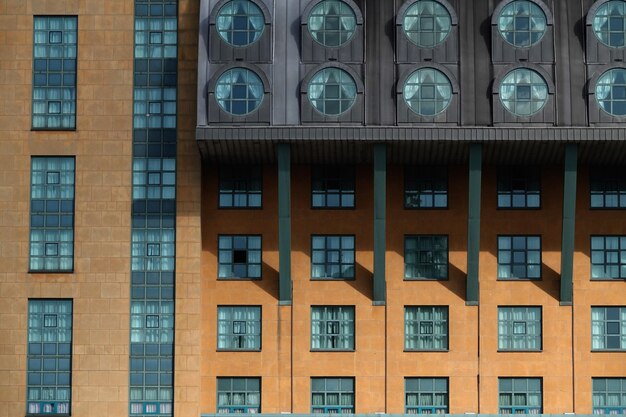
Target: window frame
(232, 391)
(525, 321)
(418, 174)
(619, 264)
(326, 263)
(432, 409)
(232, 263)
(338, 408)
(432, 335)
(513, 392)
(358, 21)
(611, 175)
(246, 177)
(591, 16)
(511, 264)
(319, 172)
(267, 21)
(325, 309)
(231, 322)
(399, 22)
(546, 12)
(621, 409)
(418, 251)
(513, 174)
(621, 327)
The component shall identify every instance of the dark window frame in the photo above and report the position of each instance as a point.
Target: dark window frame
(338, 408)
(321, 173)
(431, 253)
(512, 335)
(418, 392)
(236, 252)
(512, 263)
(420, 175)
(422, 337)
(334, 337)
(247, 177)
(239, 408)
(326, 264)
(509, 176)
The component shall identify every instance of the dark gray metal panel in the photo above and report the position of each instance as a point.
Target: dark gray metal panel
(473, 224)
(569, 223)
(478, 59)
(379, 295)
(283, 158)
(203, 59)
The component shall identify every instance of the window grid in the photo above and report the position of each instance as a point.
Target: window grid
(519, 188)
(607, 188)
(332, 23)
(609, 23)
(153, 249)
(49, 357)
(426, 395)
(154, 178)
(52, 214)
(240, 22)
(611, 92)
(154, 107)
(425, 187)
(609, 395)
(240, 186)
(523, 92)
(519, 328)
(522, 23)
(427, 92)
(426, 257)
(608, 328)
(519, 257)
(427, 23)
(332, 91)
(332, 257)
(332, 328)
(239, 257)
(238, 328)
(239, 395)
(239, 91)
(425, 328)
(156, 35)
(333, 187)
(332, 395)
(520, 395)
(608, 257)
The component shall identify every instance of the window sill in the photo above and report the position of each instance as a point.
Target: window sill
(333, 279)
(426, 350)
(519, 279)
(239, 279)
(608, 350)
(46, 129)
(237, 350)
(608, 279)
(520, 350)
(426, 279)
(56, 271)
(425, 208)
(333, 350)
(519, 208)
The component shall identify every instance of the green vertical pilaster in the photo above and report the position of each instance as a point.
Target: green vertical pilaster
(283, 156)
(380, 247)
(569, 219)
(473, 223)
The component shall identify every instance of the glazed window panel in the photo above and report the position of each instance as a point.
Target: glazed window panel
(332, 91)
(333, 187)
(332, 395)
(427, 92)
(520, 395)
(522, 23)
(426, 395)
(609, 23)
(152, 321)
(426, 328)
(608, 257)
(239, 91)
(332, 328)
(519, 188)
(611, 92)
(332, 257)
(238, 395)
(426, 257)
(609, 395)
(523, 92)
(425, 187)
(240, 23)
(519, 328)
(238, 328)
(519, 257)
(332, 23)
(607, 188)
(154, 178)
(156, 34)
(239, 257)
(608, 328)
(240, 187)
(427, 23)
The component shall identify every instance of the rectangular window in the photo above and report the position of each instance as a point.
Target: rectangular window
(425, 187)
(426, 395)
(332, 187)
(608, 257)
(609, 395)
(154, 178)
(239, 395)
(332, 328)
(54, 72)
(332, 395)
(608, 328)
(49, 357)
(519, 257)
(426, 257)
(425, 328)
(240, 187)
(239, 257)
(332, 257)
(520, 395)
(519, 328)
(607, 188)
(52, 214)
(519, 188)
(238, 328)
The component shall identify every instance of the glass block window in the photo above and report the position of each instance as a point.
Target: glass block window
(609, 395)
(154, 178)
(608, 257)
(427, 23)
(611, 92)
(519, 257)
(332, 328)
(427, 92)
(239, 395)
(519, 188)
(332, 187)
(425, 187)
(332, 257)
(152, 321)
(240, 22)
(239, 91)
(522, 23)
(240, 186)
(608, 328)
(332, 395)
(52, 214)
(239, 257)
(519, 328)
(156, 33)
(238, 328)
(332, 23)
(520, 395)
(426, 395)
(426, 257)
(609, 23)
(426, 328)
(332, 91)
(154, 108)
(607, 188)
(49, 357)
(54, 72)
(523, 92)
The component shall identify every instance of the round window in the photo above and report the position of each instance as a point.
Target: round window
(332, 23)
(427, 92)
(611, 92)
(426, 23)
(523, 92)
(332, 91)
(609, 23)
(240, 22)
(522, 23)
(239, 91)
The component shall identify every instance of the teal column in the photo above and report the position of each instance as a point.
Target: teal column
(380, 247)
(283, 156)
(569, 220)
(473, 223)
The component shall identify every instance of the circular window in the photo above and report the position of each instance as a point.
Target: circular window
(523, 92)
(522, 23)
(332, 23)
(611, 92)
(240, 22)
(426, 23)
(332, 91)
(239, 91)
(609, 23)
(427, 92)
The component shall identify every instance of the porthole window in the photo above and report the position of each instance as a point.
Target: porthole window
(523, 92)
(427, 92)
(609, 23)
(522, 23)
(426, 23)
(332, 91)
(332, 23)
(239, 91)
(611, 92)
(240, 22)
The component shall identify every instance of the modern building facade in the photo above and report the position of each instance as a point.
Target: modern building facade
(312, 206)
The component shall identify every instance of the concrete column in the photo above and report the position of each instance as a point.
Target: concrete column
(380, 247)
(283, 156)
(473, 223)
(569, 218)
